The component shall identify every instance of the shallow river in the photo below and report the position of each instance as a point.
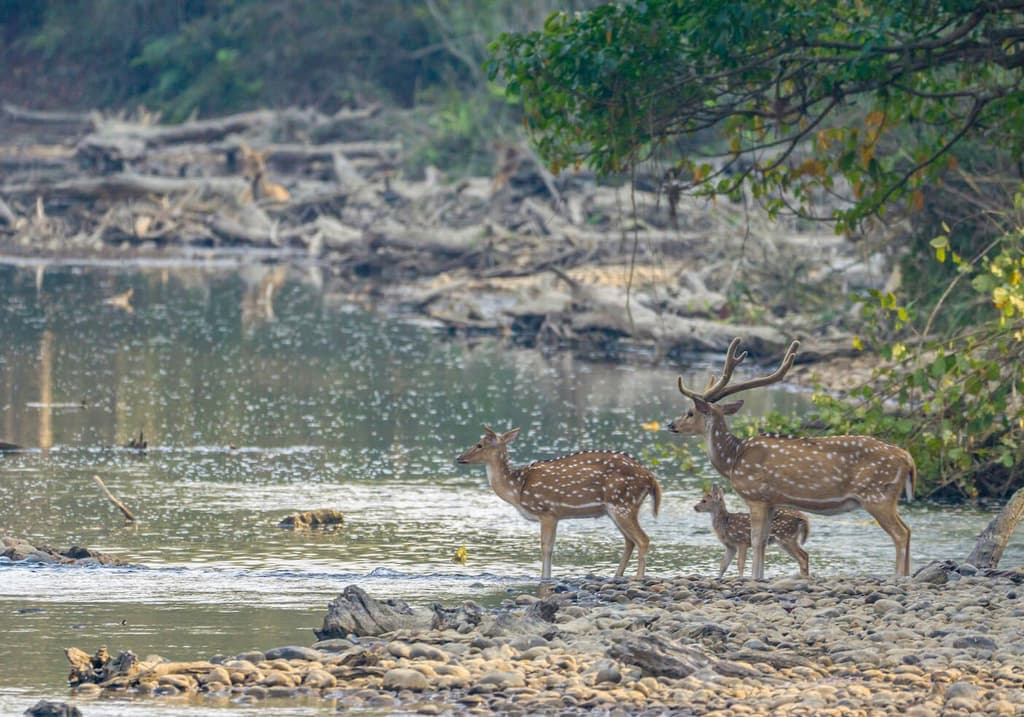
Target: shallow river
(260, 394)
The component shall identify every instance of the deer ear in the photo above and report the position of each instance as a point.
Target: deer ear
(702, 406)
(510, 436)
(730, 408)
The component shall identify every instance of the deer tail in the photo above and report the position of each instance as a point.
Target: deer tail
(805, 530)
(656, 494)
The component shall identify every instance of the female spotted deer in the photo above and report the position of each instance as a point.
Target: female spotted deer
(587, 484)
(827, 475)
(789, 528)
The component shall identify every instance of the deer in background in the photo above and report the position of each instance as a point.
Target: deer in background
(587, 484)
(826, 475)
(789, 528)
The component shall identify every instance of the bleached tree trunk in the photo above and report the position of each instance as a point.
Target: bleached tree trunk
(993, 540)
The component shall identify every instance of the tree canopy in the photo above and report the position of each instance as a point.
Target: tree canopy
(837, 112)
(776, 80)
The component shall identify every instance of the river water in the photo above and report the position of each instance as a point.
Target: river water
(261, 394)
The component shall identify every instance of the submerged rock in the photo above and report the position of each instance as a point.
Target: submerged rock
(46, 708)
(320, 518)
(16, 549)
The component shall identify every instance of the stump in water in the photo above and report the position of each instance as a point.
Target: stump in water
(992, 542)
(321, 518)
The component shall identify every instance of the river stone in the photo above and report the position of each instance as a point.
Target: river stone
(887, 605)
(401, 678)
(253, 656)
(976, 642)
(277, 678)
(293, 652)
(961, 688)
(421, 650)
(356, 613)
(336, 644)
(502, 679)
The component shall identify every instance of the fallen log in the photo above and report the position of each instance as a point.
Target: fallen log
(131, 186)
(84, 120)
(203, 131)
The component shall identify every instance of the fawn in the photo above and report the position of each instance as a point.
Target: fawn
(789, 528)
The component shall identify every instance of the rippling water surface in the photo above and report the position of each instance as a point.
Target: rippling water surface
(261, 394)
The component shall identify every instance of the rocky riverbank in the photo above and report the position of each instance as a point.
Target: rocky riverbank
(948, 642)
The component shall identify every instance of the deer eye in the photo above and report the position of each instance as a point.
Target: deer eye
(479, 445)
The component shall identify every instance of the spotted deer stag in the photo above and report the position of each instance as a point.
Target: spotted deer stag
(826, 475)
(587, 484)
(789, 528)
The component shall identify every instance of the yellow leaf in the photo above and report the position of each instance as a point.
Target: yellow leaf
(461, 555)
(866, 152)
(823, 140)
(940, 254)
(651, 426)
(874, 118)
(857, 343)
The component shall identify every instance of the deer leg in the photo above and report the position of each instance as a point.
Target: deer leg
(760, 519)
(792, 547)
(548, 524)
(634, 535)
(888, 517)
(741, 558)
(627, 553)
(730, 552)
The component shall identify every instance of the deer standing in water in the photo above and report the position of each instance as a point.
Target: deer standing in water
(789, 528)
(587, 484)
(827, 475)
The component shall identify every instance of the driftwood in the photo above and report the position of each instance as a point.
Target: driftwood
(209, 130)
(113, 499)
(21, 114)
(988, 550)
(9, 447)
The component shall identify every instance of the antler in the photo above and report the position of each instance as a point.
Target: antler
(717, 390)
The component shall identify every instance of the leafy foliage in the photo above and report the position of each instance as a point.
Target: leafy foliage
(777, 80)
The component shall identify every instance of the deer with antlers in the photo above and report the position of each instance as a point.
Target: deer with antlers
(826, 475)
(587, 484)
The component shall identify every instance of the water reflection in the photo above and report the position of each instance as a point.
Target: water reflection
(269, 390)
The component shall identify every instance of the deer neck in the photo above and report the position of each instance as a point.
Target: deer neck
(722, 446)
(720, 521)
(505, 481)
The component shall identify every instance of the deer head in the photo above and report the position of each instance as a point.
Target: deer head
(491, 446)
